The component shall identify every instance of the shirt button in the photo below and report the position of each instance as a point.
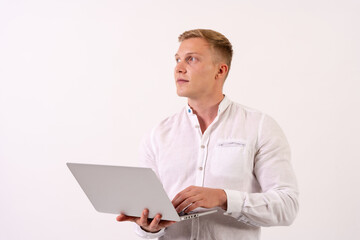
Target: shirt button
(202, 146)
(200, 168)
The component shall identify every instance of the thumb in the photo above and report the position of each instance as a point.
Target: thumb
(123, 217)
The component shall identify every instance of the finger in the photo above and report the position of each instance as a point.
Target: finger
(180, 201)
(165, 224)
(180, 194)
(123, 217)
(182, 197)
(193, 206)
(177, 198)
(154, 225)
(143, 221)
(186, 203)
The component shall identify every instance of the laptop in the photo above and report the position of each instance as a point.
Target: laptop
(127, 190)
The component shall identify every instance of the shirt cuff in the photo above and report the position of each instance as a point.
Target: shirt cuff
(235, 201)
(148, 235)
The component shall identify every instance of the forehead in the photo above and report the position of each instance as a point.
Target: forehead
(194, 45)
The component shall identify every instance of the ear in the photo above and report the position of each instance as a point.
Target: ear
(222, 72)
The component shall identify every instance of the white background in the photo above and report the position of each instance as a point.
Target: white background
(82, 81)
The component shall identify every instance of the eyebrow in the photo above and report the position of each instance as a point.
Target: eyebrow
(189, 53)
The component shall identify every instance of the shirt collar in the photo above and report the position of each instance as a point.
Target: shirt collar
(222, 106)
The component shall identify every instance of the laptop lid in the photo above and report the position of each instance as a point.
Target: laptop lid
(127, 190)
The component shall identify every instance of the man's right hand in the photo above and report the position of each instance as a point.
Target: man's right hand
(149, 226)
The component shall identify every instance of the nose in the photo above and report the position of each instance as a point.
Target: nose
(180, 68)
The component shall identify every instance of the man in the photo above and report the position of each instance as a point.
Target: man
(217, 153)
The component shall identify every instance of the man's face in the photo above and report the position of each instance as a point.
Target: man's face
(195, 69)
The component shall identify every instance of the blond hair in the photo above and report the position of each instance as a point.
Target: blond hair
(216, 40)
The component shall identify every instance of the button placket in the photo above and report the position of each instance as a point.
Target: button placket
(199, 173)
(202, 159)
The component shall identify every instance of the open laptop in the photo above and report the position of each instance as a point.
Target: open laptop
(127, 190)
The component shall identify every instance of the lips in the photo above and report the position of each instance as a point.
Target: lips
(181, 80)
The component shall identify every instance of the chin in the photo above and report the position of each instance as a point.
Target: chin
(181, 93)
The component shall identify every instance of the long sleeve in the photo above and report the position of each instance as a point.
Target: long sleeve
(147, 159)
(277, 203)
(147, 154)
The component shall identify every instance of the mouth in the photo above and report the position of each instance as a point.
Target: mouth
(181, 80)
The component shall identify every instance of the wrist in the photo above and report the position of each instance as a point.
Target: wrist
(148, 230)
(223, 199)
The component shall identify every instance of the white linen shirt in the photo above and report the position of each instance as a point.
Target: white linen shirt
(244, 152)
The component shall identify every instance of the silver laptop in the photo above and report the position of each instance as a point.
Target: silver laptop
(127, 190)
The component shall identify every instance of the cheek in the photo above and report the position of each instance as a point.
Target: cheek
(207, 73)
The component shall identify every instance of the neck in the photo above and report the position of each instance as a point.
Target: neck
(206, 110)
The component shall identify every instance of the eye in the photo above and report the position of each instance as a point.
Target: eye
(177, 60)
(191, 59)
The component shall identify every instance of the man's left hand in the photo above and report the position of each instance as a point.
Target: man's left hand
(193, 197)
